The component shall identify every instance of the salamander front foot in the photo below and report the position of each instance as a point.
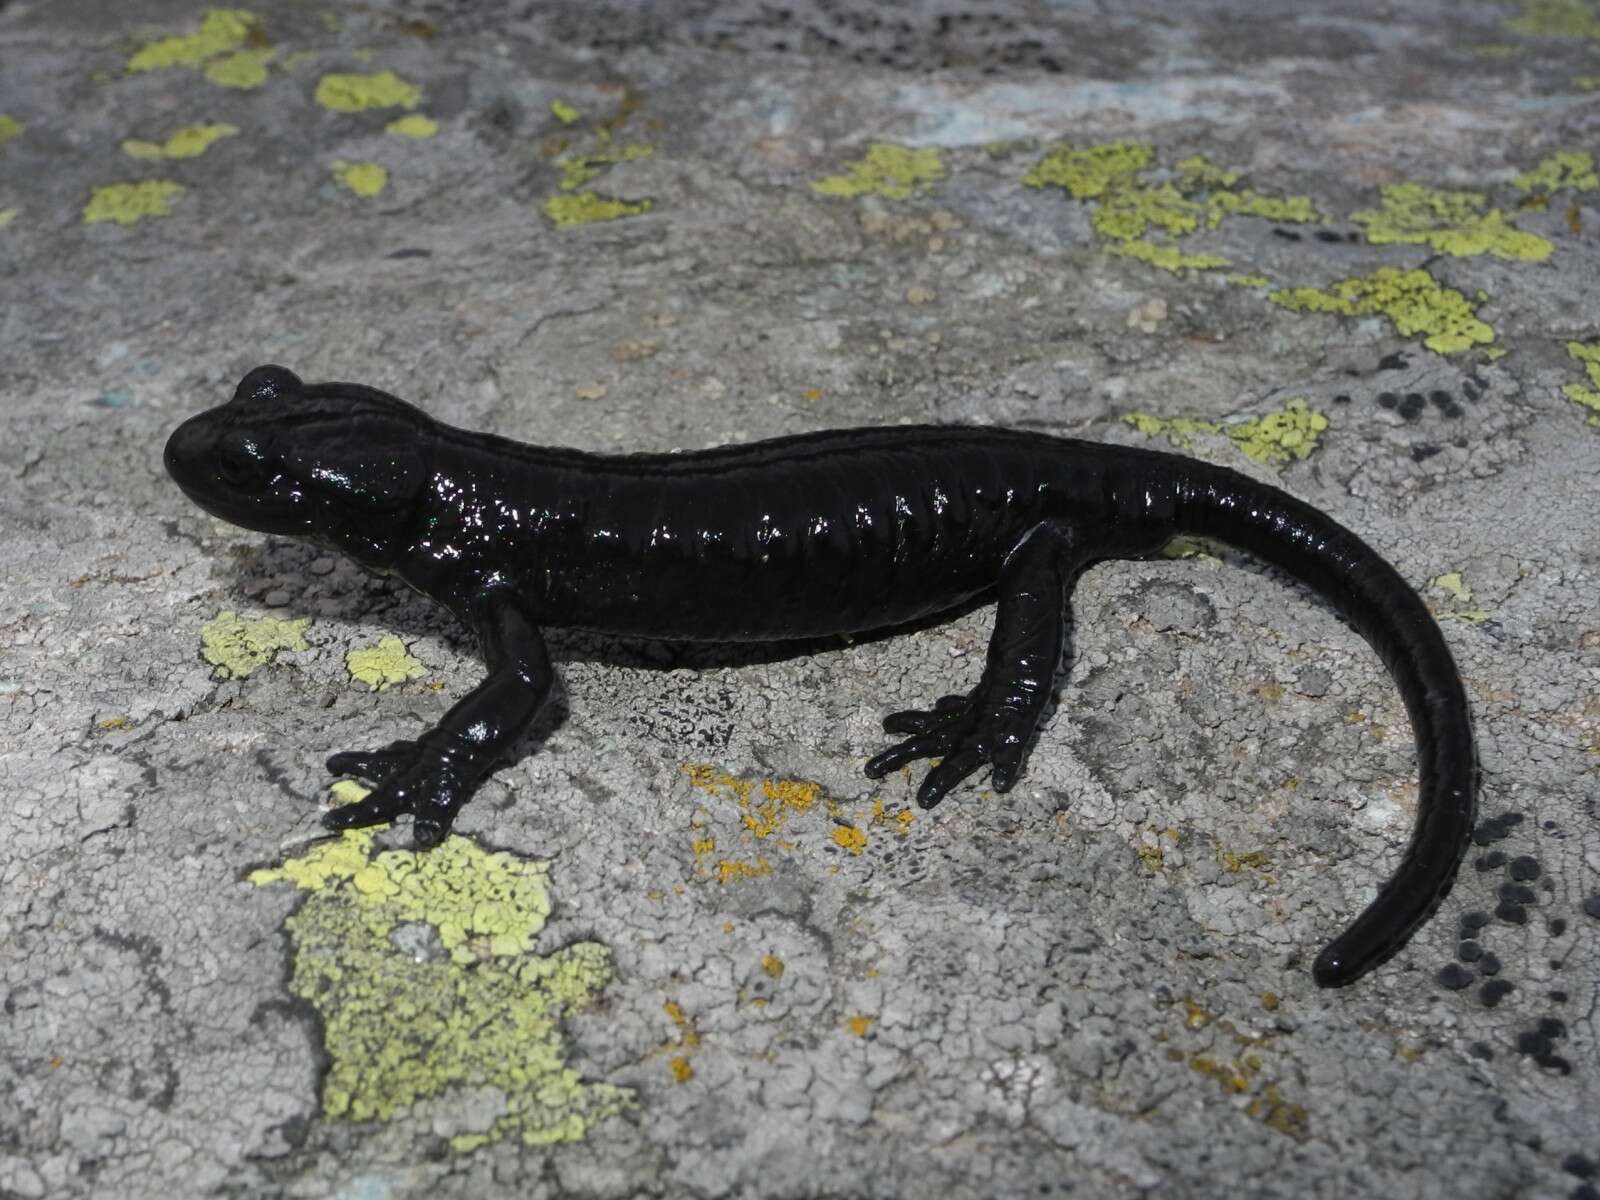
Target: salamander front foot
(964, 733)
(410, 778)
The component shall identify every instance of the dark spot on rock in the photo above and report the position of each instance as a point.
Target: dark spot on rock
(1577, 1164)
(1518, 893)
(1445, 403)
(1492, 829)
(1411, 407)
(1388, 399)
(1495, 991)
(1553, 1027)
(1424, 451)
(410, 252)
(1352, 236)
(1469, 951)
(1288, 235)
(1554, 1062)
(1533, 1044)
(1454, 977)
(1481, 1050)
(1525, 867)
(1591, 906)
(1328, 235)
(1393, 362)
(1511, 914)
(1584, 1192)
(1556, 926)
(1473, 920)
(1489, 964)
(1491, 861)
(1558, 997)
(1342, 398)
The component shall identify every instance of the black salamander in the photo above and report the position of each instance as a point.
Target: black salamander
(820, 534)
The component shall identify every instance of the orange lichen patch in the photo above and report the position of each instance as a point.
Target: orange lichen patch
(729, 870)
(682, 1072)
(687, 1041)
(859, 1025)
(779, 798)
(772, 965)
(848, 837)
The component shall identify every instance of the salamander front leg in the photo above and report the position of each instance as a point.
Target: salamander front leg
(993, 723)
(432, 777)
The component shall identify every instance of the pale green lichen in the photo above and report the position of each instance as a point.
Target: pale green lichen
(579, 169)
(221, 30)
(564, 112)
(1169, 258)
(243, 69)
(1456, 223)
(1565, 170)
(1272, 439)
(1588, 353)
(357, 93)
(893, 172)
(1249, 281)
(416, 126)
(126, 203)
(188, 142)
(387, 663)
(1127, 209)
(1092, 171)
(237, 647)
(10, 129)
(8, 215)
(582, 208)
(365, 179)
(412, 1032)
(1413, 300)
(1557, 18)
(1455, 586)
(1280, 437)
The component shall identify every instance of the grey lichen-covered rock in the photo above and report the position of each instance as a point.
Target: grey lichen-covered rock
(1347, 250)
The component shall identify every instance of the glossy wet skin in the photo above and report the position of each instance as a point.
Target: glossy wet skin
(824, 533)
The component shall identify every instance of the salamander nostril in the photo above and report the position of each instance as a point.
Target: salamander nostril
(266, 384)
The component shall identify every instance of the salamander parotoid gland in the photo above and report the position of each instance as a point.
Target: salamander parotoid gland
(819, 534)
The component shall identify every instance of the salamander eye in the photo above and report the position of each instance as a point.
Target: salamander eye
(242, 460)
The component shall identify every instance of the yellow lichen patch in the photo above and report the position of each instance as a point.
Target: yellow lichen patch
(848, 837)
(1557, 18)
(1092, 171)
(772, 965)
(860, 1025)
(243, 69)
(1413, 300)
(237, 647)
(404, 1028)
(893, 172)
(8, 215)
(1566, 170)
(579, 169)
(126, 203)
(415, 126)
(1170, 258)
(387, 663)
(682, 1071)
(564, 112)
(189, 142)
(365, 179)
(358, 93)
(221, 30)
(10, 129)
(1588, 353)
(1249, 281)
(1585, 83)
(1278, 437)
(583, 208)
(1455, 223)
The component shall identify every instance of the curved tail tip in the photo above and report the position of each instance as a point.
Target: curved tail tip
(1333, 969)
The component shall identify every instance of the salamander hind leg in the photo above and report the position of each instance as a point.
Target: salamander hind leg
(993, 724)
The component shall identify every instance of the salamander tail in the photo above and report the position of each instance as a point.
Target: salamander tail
(1372, 596)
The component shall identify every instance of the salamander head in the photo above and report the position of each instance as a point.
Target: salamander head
(336, 463)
